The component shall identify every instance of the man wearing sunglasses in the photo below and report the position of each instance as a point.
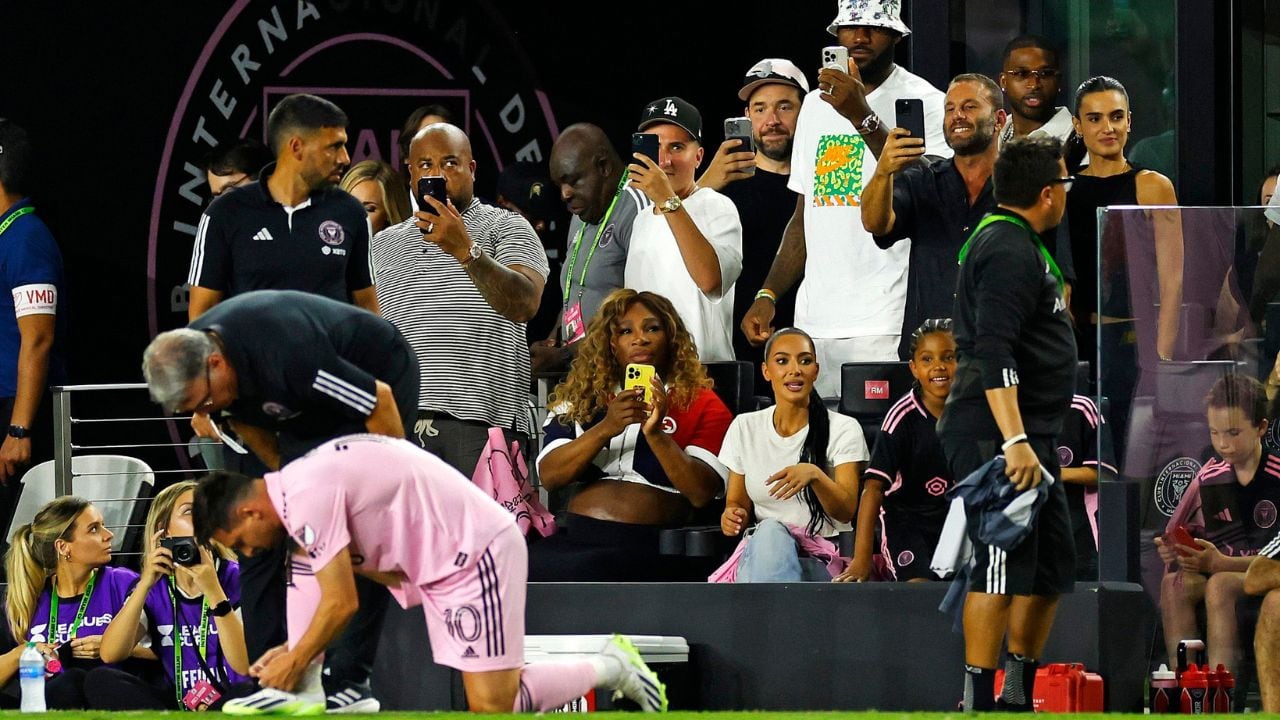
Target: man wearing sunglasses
(1030, 79)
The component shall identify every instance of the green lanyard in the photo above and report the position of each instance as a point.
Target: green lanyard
(17, 214)
(577, 242)
(1000, 217)
(202, 639)
(53, 601)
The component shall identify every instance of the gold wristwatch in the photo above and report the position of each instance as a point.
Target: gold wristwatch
(670, 205)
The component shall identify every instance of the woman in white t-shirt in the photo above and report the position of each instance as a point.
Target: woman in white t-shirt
(793, 470)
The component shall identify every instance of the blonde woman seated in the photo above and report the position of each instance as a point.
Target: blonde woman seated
(198, 603)
(638, 467)
(793, 470)
(62, 595)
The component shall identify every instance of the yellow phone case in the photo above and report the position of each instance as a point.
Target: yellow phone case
(641, 376)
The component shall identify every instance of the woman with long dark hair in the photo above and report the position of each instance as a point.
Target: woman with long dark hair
(793, 470)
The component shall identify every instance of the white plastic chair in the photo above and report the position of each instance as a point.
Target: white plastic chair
(109, 477)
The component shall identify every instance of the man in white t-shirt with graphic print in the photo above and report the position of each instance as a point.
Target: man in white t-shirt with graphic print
(686, 242)
(854, 294)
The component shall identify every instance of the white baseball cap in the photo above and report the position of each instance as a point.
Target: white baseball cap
(773, 70)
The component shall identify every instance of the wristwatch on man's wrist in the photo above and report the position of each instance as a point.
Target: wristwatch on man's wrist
(18, 431)
(869, 124)
(670, 205)
(473, 253)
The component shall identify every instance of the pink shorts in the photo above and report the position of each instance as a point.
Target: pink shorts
(475, 617)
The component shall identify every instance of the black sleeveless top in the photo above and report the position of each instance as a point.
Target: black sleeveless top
(1087, 194)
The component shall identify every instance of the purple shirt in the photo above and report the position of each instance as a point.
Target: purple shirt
(109, 593)
(163, 629)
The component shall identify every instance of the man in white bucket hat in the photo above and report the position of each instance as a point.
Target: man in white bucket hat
(854, 293)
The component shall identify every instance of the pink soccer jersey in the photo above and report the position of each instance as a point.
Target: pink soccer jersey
(396, 507)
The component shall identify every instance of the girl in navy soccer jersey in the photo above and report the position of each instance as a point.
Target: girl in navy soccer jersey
(793, 468)
(908, 477)
(61, 596)
(189, 614)
(1231, 510)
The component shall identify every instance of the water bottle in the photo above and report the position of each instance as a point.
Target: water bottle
(1224, 700)
(1195, 686)
(31, 673)
(1164, 691)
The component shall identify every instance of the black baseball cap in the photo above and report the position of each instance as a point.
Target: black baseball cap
(673, 110)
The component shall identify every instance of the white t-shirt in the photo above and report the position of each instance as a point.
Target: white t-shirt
(851, 287)
(754, 449)
(654, 264)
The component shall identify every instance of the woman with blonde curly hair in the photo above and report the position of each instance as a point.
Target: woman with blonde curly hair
(381, 190)
(638, 467)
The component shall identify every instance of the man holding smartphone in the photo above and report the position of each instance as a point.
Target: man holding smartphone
(756, 182)
(937, 204)
(854, 294)
(686, 243)
(459, 280)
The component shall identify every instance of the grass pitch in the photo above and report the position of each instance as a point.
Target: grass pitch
(678, 715)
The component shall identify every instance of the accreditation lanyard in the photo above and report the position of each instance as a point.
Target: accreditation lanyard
(577, 242)
(16, 214)
(1000, 217)
(202, 639)
(53, 600)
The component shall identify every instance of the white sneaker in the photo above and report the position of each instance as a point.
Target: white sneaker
(638, 683)
(269, 701)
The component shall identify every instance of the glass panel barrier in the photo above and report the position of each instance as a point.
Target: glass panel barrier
(1181, 330)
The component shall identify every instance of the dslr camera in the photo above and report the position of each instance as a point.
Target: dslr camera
(184, 549)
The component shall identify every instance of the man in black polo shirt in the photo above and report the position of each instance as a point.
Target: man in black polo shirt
(936, 204)
(293, 229)
(1013, 388)
(773, 90)
(292, 370)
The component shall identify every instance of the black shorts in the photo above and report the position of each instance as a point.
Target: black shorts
(907, 545)
(1044, 562)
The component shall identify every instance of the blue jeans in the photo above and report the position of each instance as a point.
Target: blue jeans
(772, 555)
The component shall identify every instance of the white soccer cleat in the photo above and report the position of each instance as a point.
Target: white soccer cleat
(269, 701)
(638, 683)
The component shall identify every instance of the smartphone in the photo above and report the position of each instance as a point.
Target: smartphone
(433, 186)
(645, 144)
(640, 376)
(739, 128)
(910, 113)
(1181, 536)
(836, 57)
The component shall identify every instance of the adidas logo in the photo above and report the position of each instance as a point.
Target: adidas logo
(1224, 515)
(263, 234)
(469, 652)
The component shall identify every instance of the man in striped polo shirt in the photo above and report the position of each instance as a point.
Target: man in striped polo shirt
(459, 280)
(292, 370)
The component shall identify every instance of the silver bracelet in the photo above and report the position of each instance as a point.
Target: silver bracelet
(1021, 437)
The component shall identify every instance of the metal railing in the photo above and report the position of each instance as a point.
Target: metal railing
(69, 430)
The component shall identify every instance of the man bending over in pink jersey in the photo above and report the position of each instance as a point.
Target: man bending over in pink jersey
(385, 509)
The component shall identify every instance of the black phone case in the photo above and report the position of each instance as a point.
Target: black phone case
(645, 144)
(433, 186)
(910, 116)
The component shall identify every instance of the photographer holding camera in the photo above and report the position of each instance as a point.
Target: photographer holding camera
(190, 594)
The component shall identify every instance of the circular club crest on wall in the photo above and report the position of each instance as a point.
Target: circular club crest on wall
(378, 60)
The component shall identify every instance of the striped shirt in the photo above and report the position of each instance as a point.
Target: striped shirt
(474, 362)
